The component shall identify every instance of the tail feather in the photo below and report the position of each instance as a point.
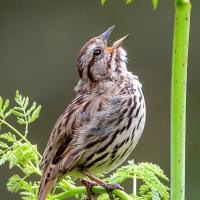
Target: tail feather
(45, 187)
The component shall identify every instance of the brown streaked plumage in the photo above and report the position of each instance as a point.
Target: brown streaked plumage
(102, 125)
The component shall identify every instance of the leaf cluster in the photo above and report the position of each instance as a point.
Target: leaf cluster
(16, 149)
(154, 2)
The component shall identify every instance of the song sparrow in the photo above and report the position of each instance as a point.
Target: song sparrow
(102, 125)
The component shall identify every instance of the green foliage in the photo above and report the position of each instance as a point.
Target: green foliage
(23, 114)
(154, 3)
(18, 152)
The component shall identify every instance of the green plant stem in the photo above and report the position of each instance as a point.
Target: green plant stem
(178, 98)
(20, 135)
(97, 189)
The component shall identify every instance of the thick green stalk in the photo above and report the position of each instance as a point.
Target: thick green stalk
(178, 98)
(97, 189)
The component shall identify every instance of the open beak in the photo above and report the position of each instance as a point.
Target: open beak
(107, 33)
(117, 43)
(120, 42)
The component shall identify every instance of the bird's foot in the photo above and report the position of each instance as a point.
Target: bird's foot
(88, 185)
(110, 187)
(107, 186)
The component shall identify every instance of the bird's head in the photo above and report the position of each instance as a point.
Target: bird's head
(96, 61)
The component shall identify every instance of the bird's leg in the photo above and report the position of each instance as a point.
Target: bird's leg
(107, 186)
(88, 185)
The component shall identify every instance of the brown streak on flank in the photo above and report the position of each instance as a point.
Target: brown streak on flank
(91, 144)
(137, 112)
(116, 148)
(114, 159)
(109, 143)
(120, 119)
(140, 121)
(112, 121)
(133, 134)
(122, 130)
(61, 149)
(101, 163)
(133, 107)
(81, 166)
(121, 144)
(126, 150)
(125, 110)
(96, 160)
(127, 139)
(114, 151)
(129, 123)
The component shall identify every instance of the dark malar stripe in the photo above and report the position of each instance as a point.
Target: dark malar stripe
(89, 73)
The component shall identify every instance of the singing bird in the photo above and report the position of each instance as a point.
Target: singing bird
(102, 125)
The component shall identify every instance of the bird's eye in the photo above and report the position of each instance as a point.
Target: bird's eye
(97, 52)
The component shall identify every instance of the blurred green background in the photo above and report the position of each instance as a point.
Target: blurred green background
(39, 42)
